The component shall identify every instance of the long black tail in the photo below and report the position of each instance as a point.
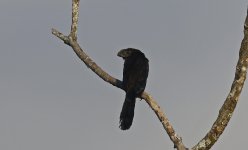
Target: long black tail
(127, 113)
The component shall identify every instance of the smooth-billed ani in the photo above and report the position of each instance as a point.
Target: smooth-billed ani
(135, 74)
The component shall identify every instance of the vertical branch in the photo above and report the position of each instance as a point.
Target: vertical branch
(75, 15)
(228, 107)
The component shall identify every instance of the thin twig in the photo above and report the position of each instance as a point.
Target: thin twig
(61, 36)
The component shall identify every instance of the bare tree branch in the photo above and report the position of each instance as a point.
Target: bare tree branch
(71, 40)
(225, 112)
(75, 17)
(228, 107)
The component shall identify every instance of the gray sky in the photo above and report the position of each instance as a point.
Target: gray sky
(49, 100)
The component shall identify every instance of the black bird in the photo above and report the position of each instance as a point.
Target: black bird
(135, 74)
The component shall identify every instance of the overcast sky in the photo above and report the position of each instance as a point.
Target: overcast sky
(49, 100)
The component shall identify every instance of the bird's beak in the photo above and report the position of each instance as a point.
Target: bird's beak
(118, 54)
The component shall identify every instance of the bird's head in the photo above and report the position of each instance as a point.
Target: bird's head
(124, 53)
